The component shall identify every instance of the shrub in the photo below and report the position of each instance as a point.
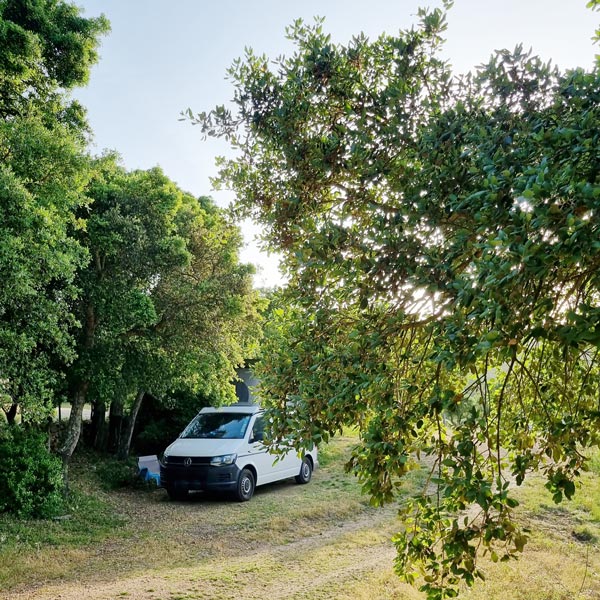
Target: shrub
(156, 436)
(30, 476)
(115, 474)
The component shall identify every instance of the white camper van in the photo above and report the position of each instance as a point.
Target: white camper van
(222, 449)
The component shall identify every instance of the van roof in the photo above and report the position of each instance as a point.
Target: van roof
(249, 409)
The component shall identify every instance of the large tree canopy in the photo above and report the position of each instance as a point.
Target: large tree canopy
(164, 302)
(42, 175)
(131, 238)
(46, 49)
(47, 46)
(441, 239)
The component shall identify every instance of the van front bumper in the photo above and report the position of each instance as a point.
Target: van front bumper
(197, 475)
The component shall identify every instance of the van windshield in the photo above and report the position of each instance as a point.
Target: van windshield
(226, 426)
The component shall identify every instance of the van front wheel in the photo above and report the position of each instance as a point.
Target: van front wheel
(245, 485)
(305, 471)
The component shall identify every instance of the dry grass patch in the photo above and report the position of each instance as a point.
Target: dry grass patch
(319, 541)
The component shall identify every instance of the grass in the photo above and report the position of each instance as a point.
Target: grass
(561, 560)
(88, 520)
(49, 549)
(577, 519)
(317, 541)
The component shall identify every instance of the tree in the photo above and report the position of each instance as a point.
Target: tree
(47, 48)
(164, 302)
(131, 239)
(43, 174)
(207, 316)
(441, 242)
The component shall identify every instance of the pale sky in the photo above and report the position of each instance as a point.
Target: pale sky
(163, 56)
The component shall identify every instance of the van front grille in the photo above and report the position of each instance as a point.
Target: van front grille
(183, 460)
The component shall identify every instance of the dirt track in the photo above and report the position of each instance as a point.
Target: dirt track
(315, 542)
(285, 543)
(294, 570)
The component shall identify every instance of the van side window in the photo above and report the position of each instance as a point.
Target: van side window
(258, 429)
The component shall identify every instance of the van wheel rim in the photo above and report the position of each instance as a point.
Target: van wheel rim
(246, 486)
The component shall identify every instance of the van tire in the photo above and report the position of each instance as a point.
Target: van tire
(245, 485)
(305, 471)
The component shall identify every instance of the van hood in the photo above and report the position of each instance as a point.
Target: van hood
(202, 447)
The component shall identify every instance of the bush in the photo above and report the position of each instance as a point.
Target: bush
(156, 436)
(30, 476)
(115, 474)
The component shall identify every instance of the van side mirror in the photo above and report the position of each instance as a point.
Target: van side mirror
(257, 437)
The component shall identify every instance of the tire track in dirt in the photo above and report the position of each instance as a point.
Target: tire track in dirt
(310, 567)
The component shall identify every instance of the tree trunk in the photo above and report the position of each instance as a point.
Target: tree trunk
(74, 426)
(127, 435)
(79, 397)
(115, 425)
(11, 413)
(98, 426)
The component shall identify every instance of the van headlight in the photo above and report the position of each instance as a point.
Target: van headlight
(221, 461)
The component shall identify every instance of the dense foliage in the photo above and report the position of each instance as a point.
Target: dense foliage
(115, 284)
(31, 484)
(47, 48)
(441, 239)
(164, 303)
(42, 174)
